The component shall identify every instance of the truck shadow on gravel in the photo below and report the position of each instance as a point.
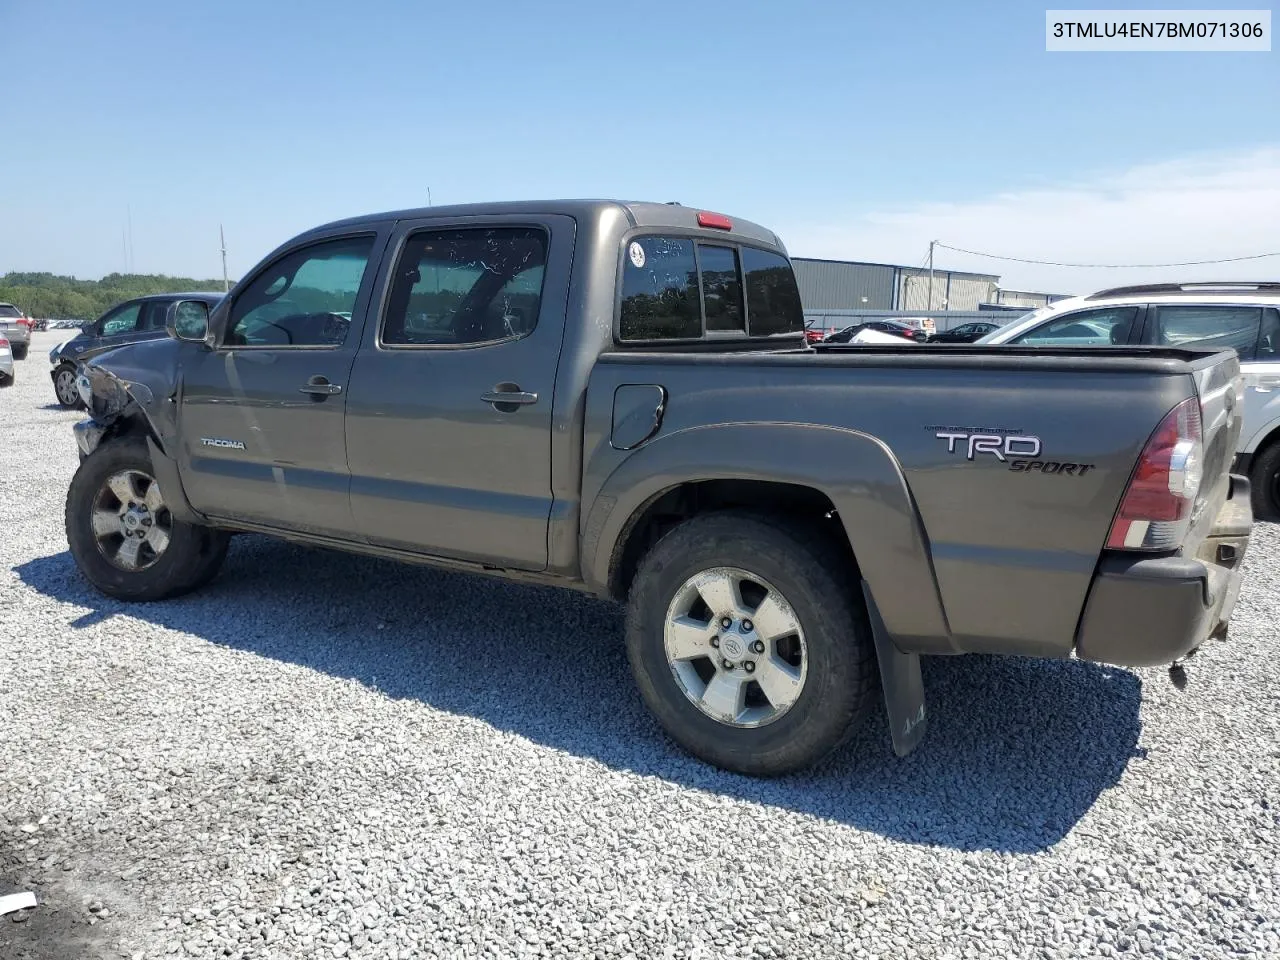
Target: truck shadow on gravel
(1018, 750)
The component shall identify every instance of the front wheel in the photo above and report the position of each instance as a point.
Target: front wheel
(748, 645)
(64, 387)
(122, 535)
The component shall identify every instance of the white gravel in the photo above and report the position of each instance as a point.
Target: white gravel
(326, 756)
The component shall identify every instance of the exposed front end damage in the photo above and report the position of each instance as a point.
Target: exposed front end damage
(131, 388)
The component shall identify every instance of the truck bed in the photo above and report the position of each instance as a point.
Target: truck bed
(964, 555)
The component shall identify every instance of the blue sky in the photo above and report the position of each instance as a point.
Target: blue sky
(856, 130)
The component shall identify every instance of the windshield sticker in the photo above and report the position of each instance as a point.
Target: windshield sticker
(636, 252)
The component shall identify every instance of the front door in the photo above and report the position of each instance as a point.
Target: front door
(449, 423)
(263, 414)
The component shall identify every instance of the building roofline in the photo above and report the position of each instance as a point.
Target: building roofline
(897, 266)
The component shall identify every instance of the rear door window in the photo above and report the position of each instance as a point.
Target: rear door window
(1084, 328)
(466, 286)
(153, 313)
(1218, 327)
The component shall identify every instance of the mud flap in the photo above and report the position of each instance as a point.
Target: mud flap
(901, 682)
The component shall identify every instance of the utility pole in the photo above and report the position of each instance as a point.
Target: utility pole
(223, 237)
(929, 308)
(428, 196)
(128, 212)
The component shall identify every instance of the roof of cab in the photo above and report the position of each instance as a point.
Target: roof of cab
(640, 213)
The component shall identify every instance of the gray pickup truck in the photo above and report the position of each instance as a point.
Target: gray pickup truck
(619, 398)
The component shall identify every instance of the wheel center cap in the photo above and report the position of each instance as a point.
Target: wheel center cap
(732, 647)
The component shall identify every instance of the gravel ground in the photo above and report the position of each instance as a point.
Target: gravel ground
(326, 756)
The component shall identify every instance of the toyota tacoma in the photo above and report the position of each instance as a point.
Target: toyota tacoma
(619, 398)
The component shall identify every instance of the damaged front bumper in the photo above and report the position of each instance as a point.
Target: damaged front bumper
(88, 434)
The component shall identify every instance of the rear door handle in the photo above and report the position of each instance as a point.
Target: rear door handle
(320, 388)
(499, 398)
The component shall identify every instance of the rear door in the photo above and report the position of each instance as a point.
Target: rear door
(449, 419)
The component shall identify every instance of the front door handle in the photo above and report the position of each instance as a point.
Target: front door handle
(319, 388)
(509, 398)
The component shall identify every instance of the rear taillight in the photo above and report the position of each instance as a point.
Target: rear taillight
(4, 342)
(1155, 513)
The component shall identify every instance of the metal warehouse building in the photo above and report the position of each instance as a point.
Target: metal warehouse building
(850, 285)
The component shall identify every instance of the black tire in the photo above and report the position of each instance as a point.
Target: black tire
(1264, 483)
(191, 559)
(806, 568)
(76, 403)
(20, 351)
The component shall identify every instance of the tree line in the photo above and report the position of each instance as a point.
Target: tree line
(54, 297)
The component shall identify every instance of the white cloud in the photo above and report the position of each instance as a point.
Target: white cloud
(1201, 208)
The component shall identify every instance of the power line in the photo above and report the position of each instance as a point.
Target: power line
(1109, 266)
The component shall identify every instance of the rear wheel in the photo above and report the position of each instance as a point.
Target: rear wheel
(64, 387)
(750, 649)
(122, 535)
(1264, 482)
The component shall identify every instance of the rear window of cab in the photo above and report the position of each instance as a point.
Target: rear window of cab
(681, 288)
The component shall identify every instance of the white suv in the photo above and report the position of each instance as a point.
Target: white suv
(1245, 316)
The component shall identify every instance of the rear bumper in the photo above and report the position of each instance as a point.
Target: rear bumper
(1145, 611)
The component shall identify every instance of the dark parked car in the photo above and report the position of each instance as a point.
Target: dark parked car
(139, 319)
(884, 326)
(618, 398)
(965, 333)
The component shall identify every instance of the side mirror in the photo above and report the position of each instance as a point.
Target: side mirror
(89, 326)
(188, 320)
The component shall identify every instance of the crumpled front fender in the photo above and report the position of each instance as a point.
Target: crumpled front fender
(138, 379)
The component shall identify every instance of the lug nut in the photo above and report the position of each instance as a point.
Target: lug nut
(757, 647)
(726, 622)
(749, 666)
(726, 664)
(746, 626)
(715, 643)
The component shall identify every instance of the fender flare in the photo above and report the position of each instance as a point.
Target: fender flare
(855, 471)
(1259, 437)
